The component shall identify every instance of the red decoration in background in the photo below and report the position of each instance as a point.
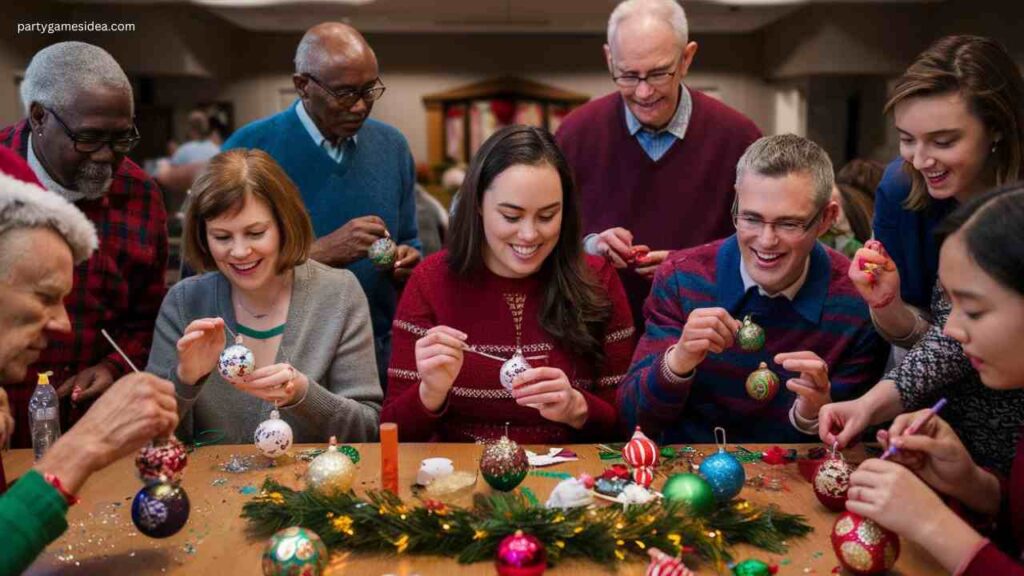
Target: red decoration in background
(774, 456)
(616, 471)
(504, 111)
(640, 451)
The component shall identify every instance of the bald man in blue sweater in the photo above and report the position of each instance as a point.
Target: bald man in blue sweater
(356, 175)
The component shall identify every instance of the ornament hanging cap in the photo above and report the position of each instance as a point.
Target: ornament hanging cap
(721, 445)
(332, 444)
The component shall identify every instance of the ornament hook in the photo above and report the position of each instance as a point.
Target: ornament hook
(721, 445)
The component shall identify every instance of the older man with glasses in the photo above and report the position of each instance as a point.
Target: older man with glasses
(356, 175)
(80, 127)
(654, 162)
(689, 371)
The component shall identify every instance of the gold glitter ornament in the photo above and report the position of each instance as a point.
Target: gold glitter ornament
(862, 546)
(332, 472)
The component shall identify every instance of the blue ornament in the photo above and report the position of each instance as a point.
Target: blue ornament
(160, 510)
(723, 471)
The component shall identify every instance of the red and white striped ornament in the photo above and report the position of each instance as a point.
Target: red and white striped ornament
(664, 565)
(643, 476)
(640, 451)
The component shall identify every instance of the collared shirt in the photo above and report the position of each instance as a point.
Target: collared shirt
(789, 292)
(336, 152)
(119, 288)
(656, 143)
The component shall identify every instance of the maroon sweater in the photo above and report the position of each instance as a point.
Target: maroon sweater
(990, 560)
(682, 200)
(478, 406)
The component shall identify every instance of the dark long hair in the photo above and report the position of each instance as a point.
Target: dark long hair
(575, 308)
(991, 225)
(989, 82)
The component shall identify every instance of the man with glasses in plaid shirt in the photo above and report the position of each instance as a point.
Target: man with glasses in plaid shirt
(654, 161)
(356, 175)
(79, 129)
(689, 372)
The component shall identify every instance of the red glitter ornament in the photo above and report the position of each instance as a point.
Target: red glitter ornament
(862, 546)
(832, 482)
(162, 461)
(521, 555)
(640, 450)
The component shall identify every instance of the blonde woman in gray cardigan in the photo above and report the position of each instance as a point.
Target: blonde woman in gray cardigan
(308, 325)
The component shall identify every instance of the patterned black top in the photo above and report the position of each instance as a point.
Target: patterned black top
(988, 421)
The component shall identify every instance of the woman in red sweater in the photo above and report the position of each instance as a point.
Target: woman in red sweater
(981, 266)
(513, 279)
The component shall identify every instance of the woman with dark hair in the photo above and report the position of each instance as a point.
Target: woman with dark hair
(981, 267)
(959, 111)
(513, 283)
(308, 325)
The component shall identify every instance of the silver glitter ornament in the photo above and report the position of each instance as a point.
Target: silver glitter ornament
(273, 436)
(236, 361)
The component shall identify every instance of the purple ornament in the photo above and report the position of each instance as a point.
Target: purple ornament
(160, 510)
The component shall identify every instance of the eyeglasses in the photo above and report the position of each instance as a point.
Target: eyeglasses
(348, 97)
(89, 142)
(788, 228)
(652, 79)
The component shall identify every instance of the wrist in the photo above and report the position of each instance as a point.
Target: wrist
(430, 399)
(806, 410)
(580, 410)
(678, 366)
(71, 464)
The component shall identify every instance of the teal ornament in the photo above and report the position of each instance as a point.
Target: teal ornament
(752, 568)
(723, 471)
(750, 336)
(383, 252)
(295, 552)
(692, 490)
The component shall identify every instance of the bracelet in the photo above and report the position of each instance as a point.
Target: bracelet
(671, 376)
(70, 498)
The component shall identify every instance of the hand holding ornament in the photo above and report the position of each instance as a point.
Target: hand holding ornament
(874, 274)
(349, 243)
(893, 496)
(812, 386)
(548, 390)
(616, 245)
(647, 264)
(439, 356)
(279, 384)
(841, 423)
(706, 330)
(199, 348)
(406, 258)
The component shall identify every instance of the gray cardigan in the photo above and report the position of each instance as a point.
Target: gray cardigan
(328, 337)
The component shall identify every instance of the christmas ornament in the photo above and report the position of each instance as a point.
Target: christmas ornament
(723, 471)
(236, 361)
(383, 252)
(643, 476)
(294, 552)
(513, 367)
(162, 461)
(332, 472)
(664, 565)
(832, 482)
(520, 555)
(273, 436)
(504, 464)
(640, 450)
(610, 486)
(762, 384)
(160, 510)
(692, 490)
(862, 546)
(751, 336)
(753, 567)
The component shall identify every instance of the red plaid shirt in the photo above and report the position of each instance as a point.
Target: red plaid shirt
(120, 288)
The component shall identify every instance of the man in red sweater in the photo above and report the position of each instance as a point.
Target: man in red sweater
(75, 139)
(655, 163)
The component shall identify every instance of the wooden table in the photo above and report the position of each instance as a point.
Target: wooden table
(102, 540)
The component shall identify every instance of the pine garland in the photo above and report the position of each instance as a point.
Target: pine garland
(383, 523)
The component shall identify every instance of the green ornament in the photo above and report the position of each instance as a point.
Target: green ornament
(382, 252)
(762, 384)
(668, 452)
(351, 452)
(692, 490)
(295, 552)
(751, 335)
(504, 464)
(752, 568)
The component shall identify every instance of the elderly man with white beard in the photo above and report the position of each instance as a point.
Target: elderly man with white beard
(79, 128)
